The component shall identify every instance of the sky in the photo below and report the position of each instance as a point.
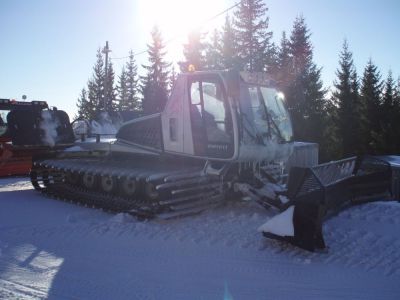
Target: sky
(48, 47)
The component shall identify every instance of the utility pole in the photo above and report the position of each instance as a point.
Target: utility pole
(106, 50)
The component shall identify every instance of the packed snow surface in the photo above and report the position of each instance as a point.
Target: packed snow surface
(50, 249)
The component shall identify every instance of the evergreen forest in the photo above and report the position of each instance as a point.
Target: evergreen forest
(359, 114)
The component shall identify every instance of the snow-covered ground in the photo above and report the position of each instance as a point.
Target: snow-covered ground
(51, 249)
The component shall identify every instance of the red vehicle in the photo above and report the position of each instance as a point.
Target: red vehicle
(28, 129)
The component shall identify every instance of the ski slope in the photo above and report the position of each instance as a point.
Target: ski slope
(51, 249)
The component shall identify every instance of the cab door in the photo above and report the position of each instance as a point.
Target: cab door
(211, 118)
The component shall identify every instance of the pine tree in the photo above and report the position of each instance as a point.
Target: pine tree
(101, 93)
(109, 90)
(283, 73)
(389, 119)
(349, 111)
(171, 80)
(253, 37)
(132, 101)
(272, 60)
(123, 101)
(389, 92)
(93, 99)
(155, 82)
(396, 122)
(301, 59)
(83, 106)
(371, 89)
(194, 51)
(213, 52)
(315, 123)
(305, 94)
(96, 97)
(332, 146)
(397, 91)
(229, 53)
(300, 47)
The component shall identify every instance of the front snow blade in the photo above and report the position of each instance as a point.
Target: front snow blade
(318, 192)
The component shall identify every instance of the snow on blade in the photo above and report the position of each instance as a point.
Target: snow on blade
(281, 224)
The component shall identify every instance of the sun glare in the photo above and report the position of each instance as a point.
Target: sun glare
(176, 18)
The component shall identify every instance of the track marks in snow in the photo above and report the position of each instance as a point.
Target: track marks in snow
(357, 238)
(14, 290)
(19, 185)
(116, 256)
(363, 237)
(379, 212)
(366, 237)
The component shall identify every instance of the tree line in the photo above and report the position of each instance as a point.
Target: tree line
(361, 114)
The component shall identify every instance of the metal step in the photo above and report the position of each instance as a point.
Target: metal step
(174, 178)
(196, 203)
(182, 183)
(196, 188)
(188, 211)
(174, 175)
(175, 201)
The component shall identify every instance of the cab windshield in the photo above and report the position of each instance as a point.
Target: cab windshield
(267, 112)
(279, 116)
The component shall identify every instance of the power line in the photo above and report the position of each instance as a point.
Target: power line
(221, 13)
(176, 36)
(134, 54)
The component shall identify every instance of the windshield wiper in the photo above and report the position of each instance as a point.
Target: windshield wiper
(271, 120)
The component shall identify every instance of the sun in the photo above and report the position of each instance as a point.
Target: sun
(176, 18)
(180, 16)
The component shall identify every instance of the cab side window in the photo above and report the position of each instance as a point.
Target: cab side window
(210, 118)
(3, 124)
(214, 113)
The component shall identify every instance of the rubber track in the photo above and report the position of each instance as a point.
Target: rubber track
(178, 195)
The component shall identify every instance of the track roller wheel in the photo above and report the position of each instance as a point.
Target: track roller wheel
(72, 178)
(45, 178)
(89, 180)
(150, 191)
(34, 179)
(108, 183)
(128, 187)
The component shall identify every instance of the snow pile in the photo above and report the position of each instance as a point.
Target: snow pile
(281, 224)
(49, 126)
(122, 218)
